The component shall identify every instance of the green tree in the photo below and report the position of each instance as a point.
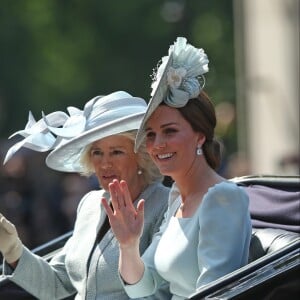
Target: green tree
(56, 53)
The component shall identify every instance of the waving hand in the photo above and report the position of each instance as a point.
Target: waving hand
(126, 221)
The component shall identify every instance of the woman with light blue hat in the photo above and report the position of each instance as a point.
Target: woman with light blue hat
(96, 140)
(207, 229)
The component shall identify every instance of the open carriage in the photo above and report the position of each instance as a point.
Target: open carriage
(273, 271)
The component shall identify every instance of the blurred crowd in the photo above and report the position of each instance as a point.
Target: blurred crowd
(42, 202)
(39, 201)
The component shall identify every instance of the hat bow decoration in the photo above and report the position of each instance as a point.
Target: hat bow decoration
(37, 135)
(53, 129)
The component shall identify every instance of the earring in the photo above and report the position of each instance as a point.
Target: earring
(140, 172)
(199, 150)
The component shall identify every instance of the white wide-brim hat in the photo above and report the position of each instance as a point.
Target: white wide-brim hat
(68, 135)
(177, 80)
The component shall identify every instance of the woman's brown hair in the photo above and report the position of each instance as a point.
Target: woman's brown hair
(200, 113)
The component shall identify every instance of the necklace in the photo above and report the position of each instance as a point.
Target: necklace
(181, 207)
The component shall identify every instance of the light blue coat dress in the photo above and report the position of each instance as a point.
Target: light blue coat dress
(82, 269)
(192, 252)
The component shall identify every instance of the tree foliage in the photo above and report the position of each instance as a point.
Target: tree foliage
(57, 53)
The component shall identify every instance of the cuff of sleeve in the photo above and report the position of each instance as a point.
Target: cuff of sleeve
(144, 287)
(8, 271)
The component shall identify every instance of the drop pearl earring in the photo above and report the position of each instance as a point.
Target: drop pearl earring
(199, 150)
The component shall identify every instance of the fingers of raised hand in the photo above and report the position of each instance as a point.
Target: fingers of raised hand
(120, 195)
(126, 194)
(113, 194)
(107, 207)
(140, 207)
(7, 225)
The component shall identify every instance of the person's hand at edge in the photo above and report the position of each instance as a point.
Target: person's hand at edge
(11, 246)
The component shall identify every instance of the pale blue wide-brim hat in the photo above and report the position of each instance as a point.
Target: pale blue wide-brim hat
(68, 135)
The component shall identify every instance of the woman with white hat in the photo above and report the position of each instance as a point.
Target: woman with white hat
(208, 227)
(96, 140)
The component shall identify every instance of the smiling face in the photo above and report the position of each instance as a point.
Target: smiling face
(171, 141)
(113, 158)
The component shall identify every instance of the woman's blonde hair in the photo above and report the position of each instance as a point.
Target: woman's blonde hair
(149, 171)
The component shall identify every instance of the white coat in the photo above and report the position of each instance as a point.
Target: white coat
(83, 267)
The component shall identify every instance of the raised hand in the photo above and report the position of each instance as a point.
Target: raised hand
(10, 245)
(126, 221)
